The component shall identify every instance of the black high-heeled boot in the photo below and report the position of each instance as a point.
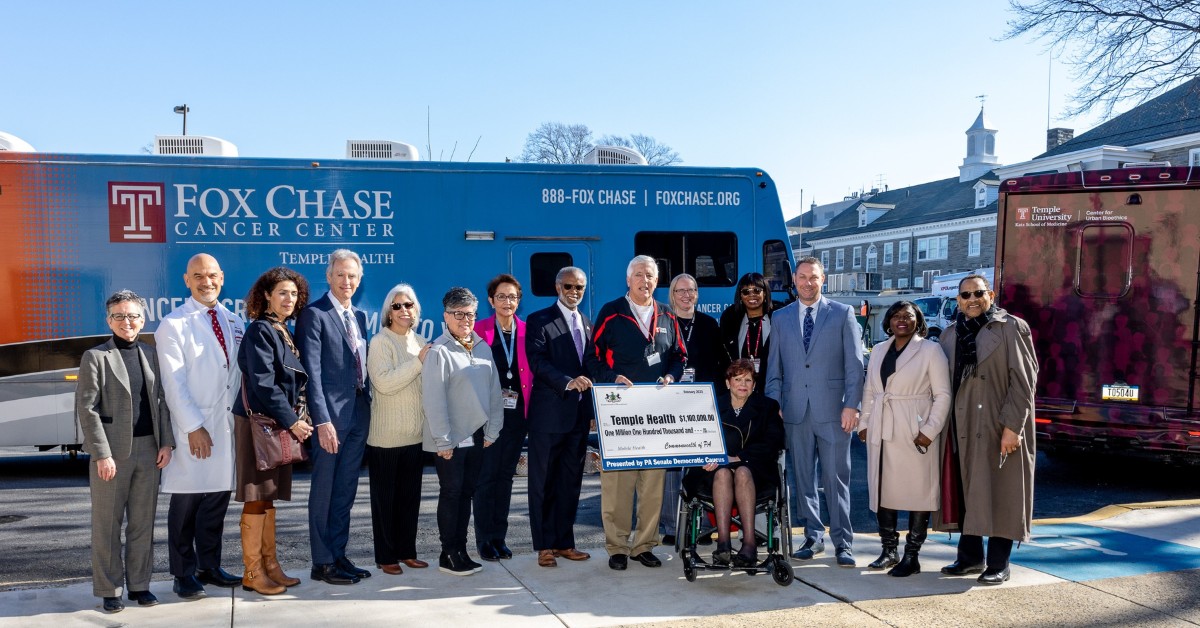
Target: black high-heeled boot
(889, 537)
(918, 530)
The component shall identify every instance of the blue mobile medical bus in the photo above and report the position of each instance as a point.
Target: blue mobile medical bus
(75, 228)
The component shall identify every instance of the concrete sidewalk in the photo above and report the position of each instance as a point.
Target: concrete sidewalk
(519, 593)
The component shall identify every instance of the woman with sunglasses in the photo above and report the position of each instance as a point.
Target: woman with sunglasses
(505, 334)
(394, 458)
(746, 325)
(905, 402)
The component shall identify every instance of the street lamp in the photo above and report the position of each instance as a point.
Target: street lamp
(183, 109)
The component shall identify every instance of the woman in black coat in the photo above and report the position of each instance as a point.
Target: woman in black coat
(754, 437)
(746, 325)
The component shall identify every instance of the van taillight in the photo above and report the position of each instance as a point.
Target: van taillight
(1042, 421)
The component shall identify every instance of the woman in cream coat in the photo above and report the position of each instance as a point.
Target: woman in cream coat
(905, 402)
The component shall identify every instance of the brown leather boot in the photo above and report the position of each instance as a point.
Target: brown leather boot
(254, 579)
(270, 563)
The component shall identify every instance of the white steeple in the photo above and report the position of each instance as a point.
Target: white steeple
(981, 150)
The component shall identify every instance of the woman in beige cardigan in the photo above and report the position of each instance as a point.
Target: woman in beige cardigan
(394, 457)
(905, 402)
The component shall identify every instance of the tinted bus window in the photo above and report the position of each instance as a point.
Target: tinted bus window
(543, 268)
(776, 268)
(1105, 262)
(710, 257)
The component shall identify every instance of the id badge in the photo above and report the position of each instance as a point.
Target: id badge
(689, 375)
(653, 358)
(755, 362)
(510, 398)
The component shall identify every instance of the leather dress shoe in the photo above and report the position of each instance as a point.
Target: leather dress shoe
(218, 577)
(414, 563)
(393, 569)
(546, 558)
(143, 598)
(345, 565)
(188, 588)
(648, 559)
(810, 549)
(572, 554)
(618, 562)
(957, 568)
(331, 574)
(488, 553)
(845, 557)
(113, 605)
(993, 577)
(502, 550)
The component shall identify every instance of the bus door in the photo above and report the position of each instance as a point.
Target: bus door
(536, 262)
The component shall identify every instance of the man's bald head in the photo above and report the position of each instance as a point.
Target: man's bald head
(204, 278)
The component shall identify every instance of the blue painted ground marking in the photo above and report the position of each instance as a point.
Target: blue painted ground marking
(1080, 552)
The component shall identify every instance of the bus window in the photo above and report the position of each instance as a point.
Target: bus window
(709, 256)
(776, 268)
(1104, 267)
(543, 268)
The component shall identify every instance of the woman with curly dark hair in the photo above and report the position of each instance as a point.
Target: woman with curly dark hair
(746, 325)
(273, 382)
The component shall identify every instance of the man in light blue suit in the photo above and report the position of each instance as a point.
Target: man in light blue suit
(331, 337)
(815, 372)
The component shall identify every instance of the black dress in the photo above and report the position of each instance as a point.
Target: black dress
(755, 435)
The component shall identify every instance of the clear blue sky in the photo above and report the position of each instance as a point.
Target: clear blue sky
(826, 97)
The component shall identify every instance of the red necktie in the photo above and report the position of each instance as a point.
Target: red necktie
(220, 334)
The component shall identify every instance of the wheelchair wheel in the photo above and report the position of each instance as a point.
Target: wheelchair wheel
(689, 571)
(783, 573)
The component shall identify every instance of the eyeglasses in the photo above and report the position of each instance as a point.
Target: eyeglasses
(511, 298)
(686, 291)
(459, 316)
(966, 294)
(749, 290)
(571, 287)
(408, 306)
(119, 317)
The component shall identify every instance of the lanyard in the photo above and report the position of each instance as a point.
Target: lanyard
(753, 351)
(507, 347)
(649, 333)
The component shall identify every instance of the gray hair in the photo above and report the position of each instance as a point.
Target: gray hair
(385, 312)
(641, 260)
(459, 297)
(566, 271)
(671, 288)
(340, 255)
(811, 260)
(125, 296)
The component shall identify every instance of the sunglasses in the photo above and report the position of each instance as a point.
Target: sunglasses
(408, 306)
(966, 294)
(571, 287)
(750, 291)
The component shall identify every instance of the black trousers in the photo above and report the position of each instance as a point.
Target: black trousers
(457, 477)
(555, 479)
(395, 474)
(195, 524)
(493, 491)
(970, 550)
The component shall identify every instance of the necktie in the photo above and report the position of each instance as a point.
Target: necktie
(808, 326)
(577, 334)
(212, 314)
(352, 334)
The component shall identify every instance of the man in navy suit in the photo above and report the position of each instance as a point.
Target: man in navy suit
(815, 372)
(331, 336)
(559, 347)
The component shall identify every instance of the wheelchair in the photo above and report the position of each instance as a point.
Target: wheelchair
(697, 520)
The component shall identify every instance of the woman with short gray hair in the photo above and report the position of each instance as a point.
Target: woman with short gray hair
(464, 412)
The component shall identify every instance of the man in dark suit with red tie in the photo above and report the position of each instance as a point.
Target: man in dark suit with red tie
(331, 336)
(559, 348)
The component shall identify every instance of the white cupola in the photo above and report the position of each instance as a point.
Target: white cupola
(981, 150)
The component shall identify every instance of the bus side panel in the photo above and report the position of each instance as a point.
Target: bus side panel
(1108, 289)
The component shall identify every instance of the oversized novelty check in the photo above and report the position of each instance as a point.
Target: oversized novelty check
(649, 426)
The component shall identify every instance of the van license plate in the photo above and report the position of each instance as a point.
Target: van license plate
(1115, 392)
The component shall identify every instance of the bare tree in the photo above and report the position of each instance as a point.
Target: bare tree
(655, 152)
(557, 143)
(1121, 49)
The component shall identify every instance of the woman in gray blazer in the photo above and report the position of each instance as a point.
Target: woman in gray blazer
(127, 433)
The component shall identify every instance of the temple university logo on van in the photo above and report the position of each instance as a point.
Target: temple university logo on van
(1022, 214)
(137, 212)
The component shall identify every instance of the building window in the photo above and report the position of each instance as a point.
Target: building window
(887, 254)
(981, 197)
(862, 217)
(918, 282)
(902, 283)
(932, 248)
(902, 258)
(857, 257)
(1194, 157)
(872, 259)
(887, 284)
(973, 240)
(825, 260)
(840, 256)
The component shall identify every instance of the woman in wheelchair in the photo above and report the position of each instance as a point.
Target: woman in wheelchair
(754, 437)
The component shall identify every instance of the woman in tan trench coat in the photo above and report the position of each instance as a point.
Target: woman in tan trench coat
(905, 402)
(994, 376)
